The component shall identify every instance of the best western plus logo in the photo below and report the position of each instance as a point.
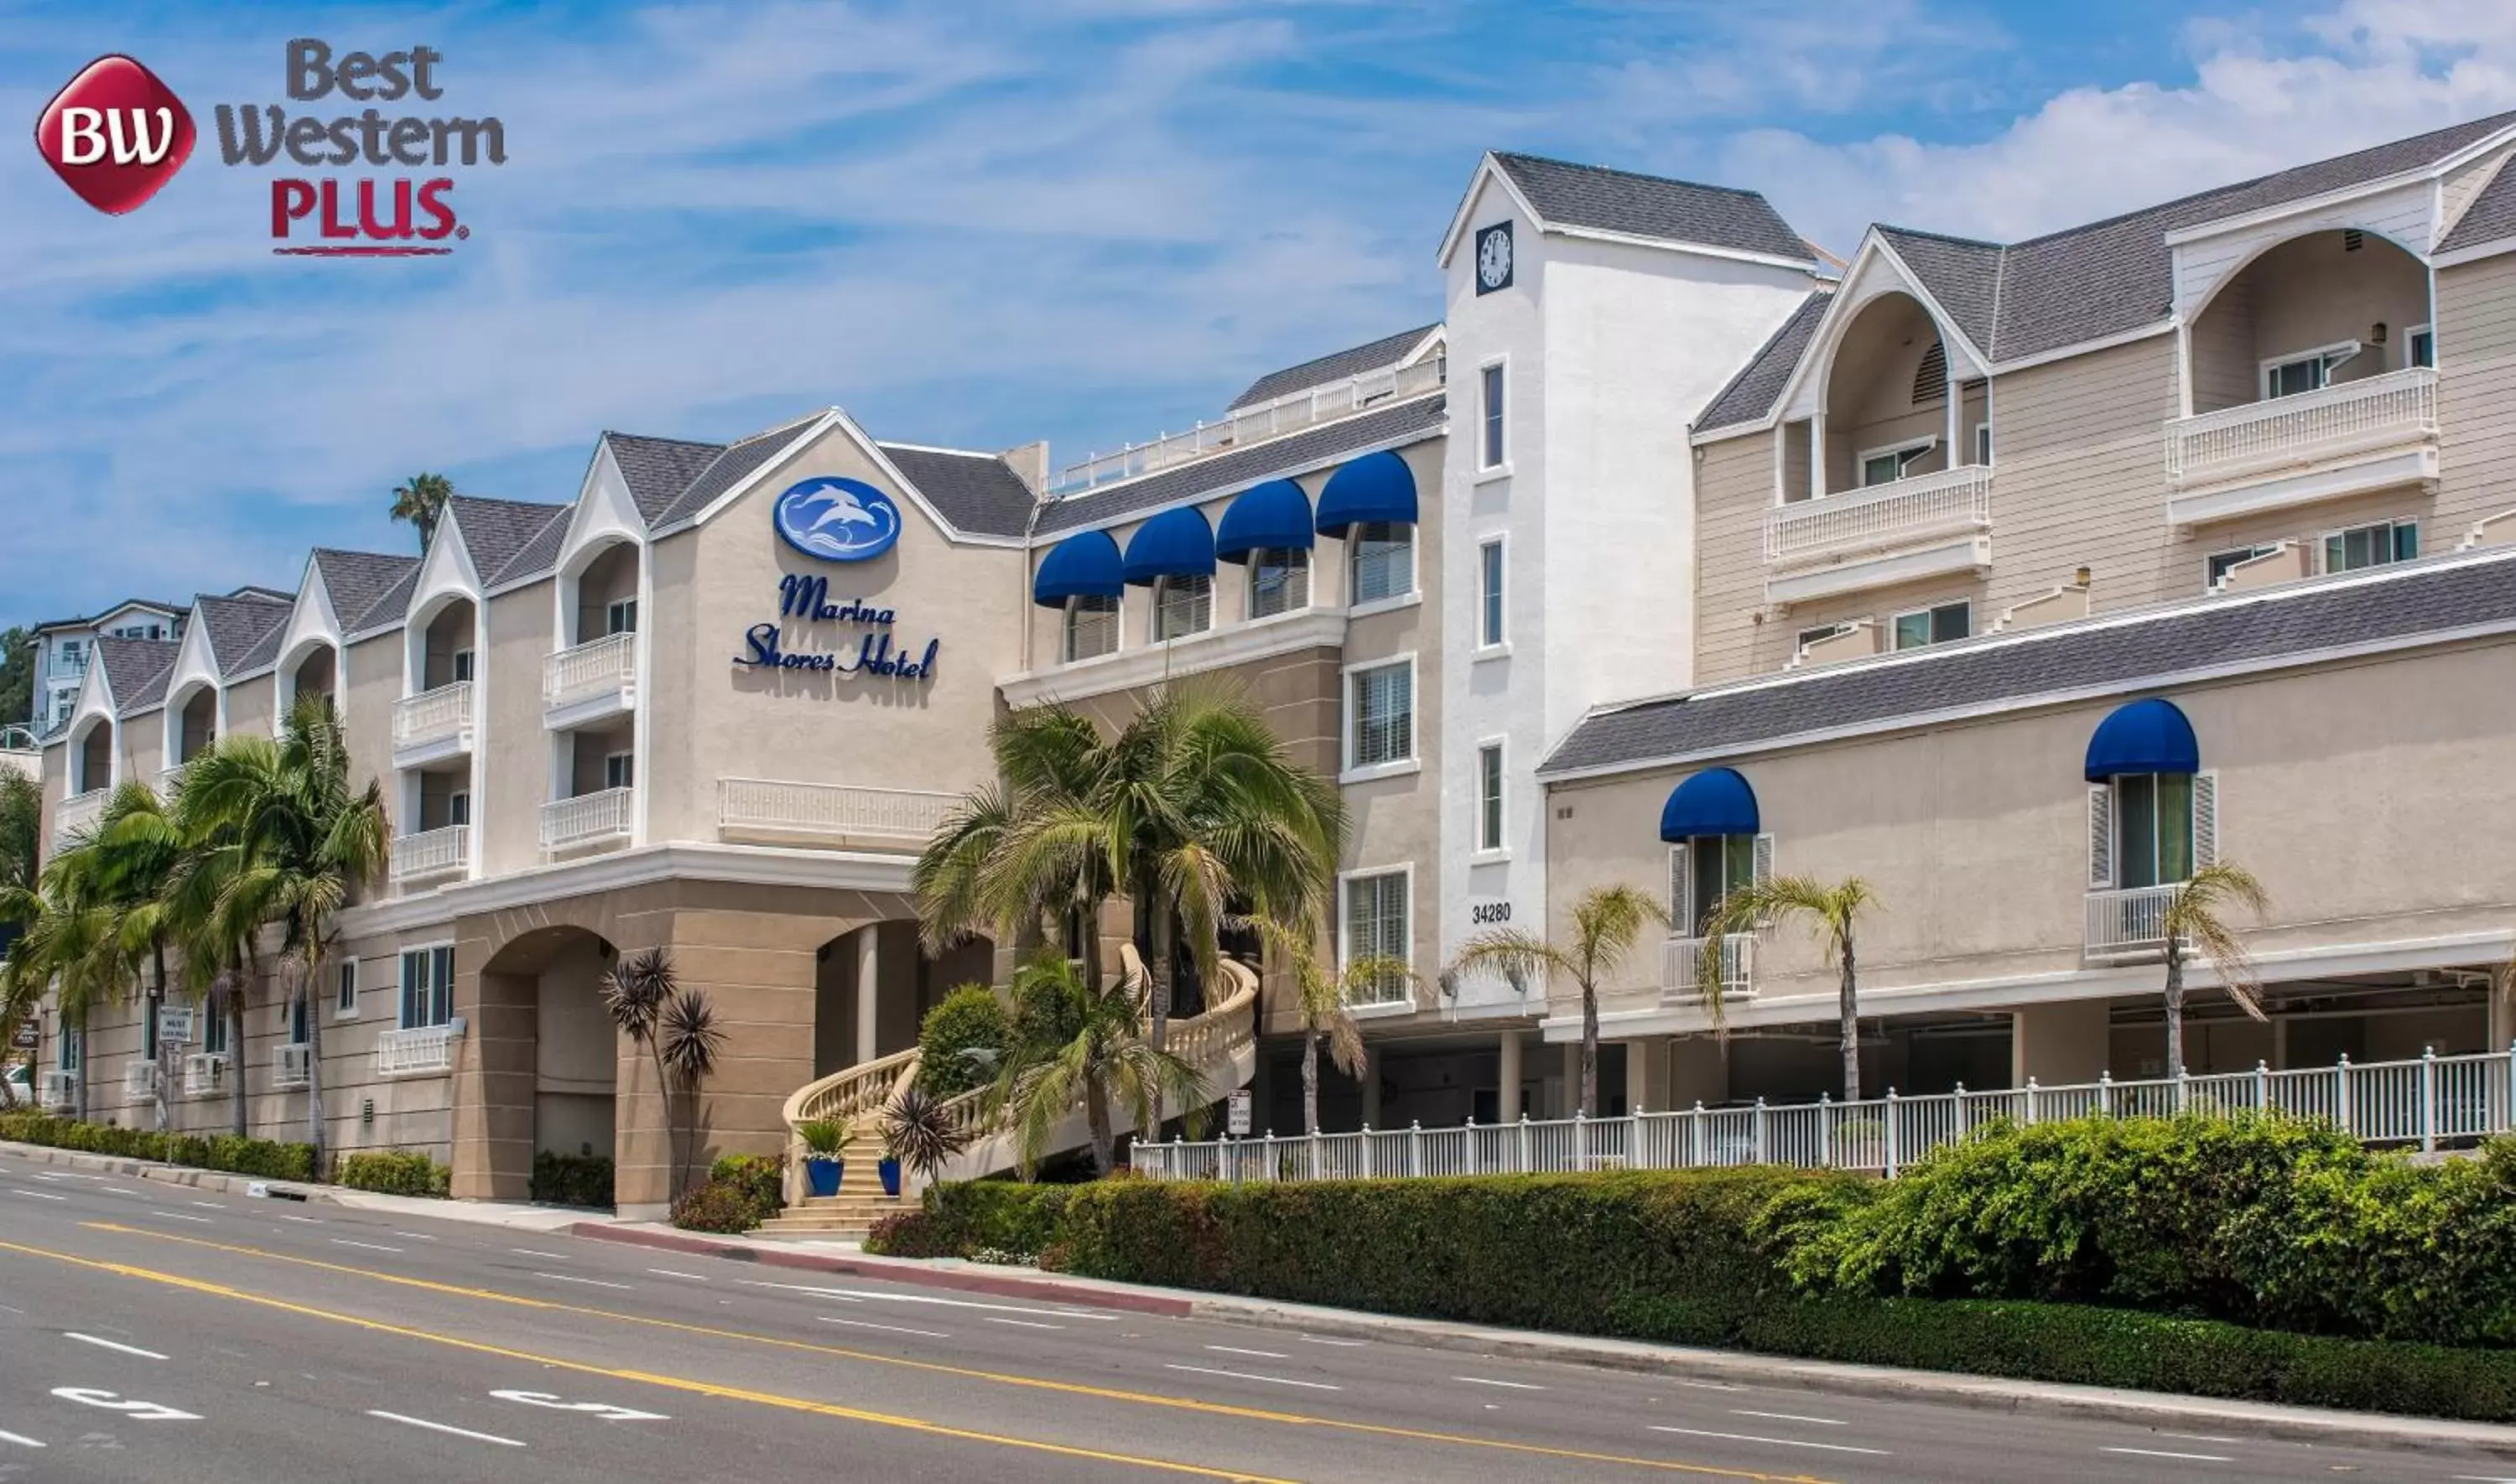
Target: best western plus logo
(116, 135)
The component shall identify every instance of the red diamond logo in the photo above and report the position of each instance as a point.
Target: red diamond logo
(115, 134)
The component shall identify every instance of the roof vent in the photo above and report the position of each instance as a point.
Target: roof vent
(2353, 239)
(1931, 376)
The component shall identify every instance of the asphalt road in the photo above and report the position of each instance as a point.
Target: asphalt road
(157, 1333)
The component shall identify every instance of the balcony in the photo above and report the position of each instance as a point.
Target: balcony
(293, 1067)
(430, 854)
(776, 812)
(1929, 525)
(140, 1081)
(588, 819)
(2345, 439)
(2128, 923)
(1682, 965)
(57, 1092)
(590, 683)
(76, 813)
(205, 1073)
(1256, 424)
(416, 1052)
(433, 725)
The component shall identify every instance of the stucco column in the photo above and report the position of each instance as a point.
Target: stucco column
(1507, 1096)
(868, 991)
(2059, 1045)
(1647, 1075)
(1371, 1086)
(1698, 1072)
(2502, 1024)
(1573, 1078)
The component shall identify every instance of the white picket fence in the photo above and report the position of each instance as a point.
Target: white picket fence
(2431, 1101)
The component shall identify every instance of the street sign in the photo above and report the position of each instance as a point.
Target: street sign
(30, 1036)
(175, 1023)
(1236, 1114)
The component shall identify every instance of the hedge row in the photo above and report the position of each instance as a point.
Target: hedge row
(742, 1191)
(261, 1158)
(394, 1171)
(572, 1180)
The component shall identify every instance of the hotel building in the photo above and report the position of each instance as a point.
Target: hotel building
(1676, 553)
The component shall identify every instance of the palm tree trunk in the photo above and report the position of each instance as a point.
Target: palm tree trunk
(314, 1052)
(1310, 1082)
(1166, 946)
(1095, 1114)
(157, 1003)
(664, 1101)
(691, 1135)
(1589, 1050)
(2174, 1010)
(1851, 1011)
(236, 1060)
(82, 1067)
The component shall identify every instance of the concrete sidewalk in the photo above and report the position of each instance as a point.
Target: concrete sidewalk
(522, 1218)
(2307, 1425)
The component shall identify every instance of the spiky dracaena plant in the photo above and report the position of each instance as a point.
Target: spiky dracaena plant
(689, 1040)
(634, 991)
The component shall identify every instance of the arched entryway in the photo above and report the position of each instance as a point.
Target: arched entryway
(549, 1058)
(848, 1026)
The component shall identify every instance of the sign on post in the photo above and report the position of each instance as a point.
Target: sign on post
(1236, 1114)
(175, 1025)
(30, 1036)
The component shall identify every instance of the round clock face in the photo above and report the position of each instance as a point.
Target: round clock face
(1493, 259)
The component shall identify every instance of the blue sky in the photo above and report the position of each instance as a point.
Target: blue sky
(980, 224)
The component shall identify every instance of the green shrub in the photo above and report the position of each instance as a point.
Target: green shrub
(261, 1158)
(572, 1180)
(909, 1234)
(1001, 1216)
(719, 1206)
(394, 1171)
(760, 1179)
(969, 1019)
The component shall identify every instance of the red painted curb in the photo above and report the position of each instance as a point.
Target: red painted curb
(894, 1270)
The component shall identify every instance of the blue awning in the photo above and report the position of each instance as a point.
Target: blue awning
(1378, 487)
(1716, 802)
(1079, 566)
(1276, 513)
(1173, 543)
(2149, 736)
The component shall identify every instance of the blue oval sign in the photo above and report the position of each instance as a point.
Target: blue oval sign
(837, 520)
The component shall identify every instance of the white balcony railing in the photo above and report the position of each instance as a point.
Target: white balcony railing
(58, 1090)
(430, 854)
(1881, 516)
(590, 670)
(765, 806)
(77, 812)
(204, 1073)
(433, 716)
(2398, 407)
(419, 1049)
(290, 1069)
(170, 779)
(1682, 967)
(140, 1081)
(588, 818)
(1254, 424)
(2129, 922)
(2420, 1103)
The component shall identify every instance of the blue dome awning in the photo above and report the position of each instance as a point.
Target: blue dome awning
(2150, 736)
(1079, 566)
(1715, 802)
(1378, 487)
(1173, 543)
(1276, 513)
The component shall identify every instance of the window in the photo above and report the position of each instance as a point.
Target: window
(345, 991)
(458, 807)
(1934, 626)
(2215, 566)
(1383, 555)
(2308, 372)
(1182, 606)
(1490, 796)
(1091, 626)
(2371, 546)
(72, 1049)
(1820, 633)
(2419, 346)
(462, 666)
(1983, 442)
(1279, 580)
(427, 986)
(1489, 631)
(619, 770)
(1709, 867)
(2153, 830)
(1375, 926)
(214, 1027)
(1491, 451)
(298, 1033)
(1382, 702)
(620, 616)
(1883, 465)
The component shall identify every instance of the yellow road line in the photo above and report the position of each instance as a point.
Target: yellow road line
(1034, 1383)
(645, 1378)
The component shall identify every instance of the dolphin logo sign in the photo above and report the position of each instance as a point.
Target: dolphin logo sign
(837, 520)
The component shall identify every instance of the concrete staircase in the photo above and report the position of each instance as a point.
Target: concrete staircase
(859, 1203)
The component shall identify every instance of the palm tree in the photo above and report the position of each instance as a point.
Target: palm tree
(133, 855)
(688, 1040)
(1832, 911)
(22, 817)
(2193, 917)
(635, 991)
(1606, 922)
(1320, 997)
(288, 842)
(70, 949)
(1099, 1056)
(421, 501)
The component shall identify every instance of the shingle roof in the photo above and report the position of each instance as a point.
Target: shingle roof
(496, 532)
(356, 581)
(2116, 654)
(388, 610)
(2117, 275)
(657, 470)
(1405, 423)
(1751, 392)
(137, 668)
(730, 467)
(263, 654)
(977, 493)
(236, 626)
(1567, 195)
(535, 557)
(89, 621)
(2491, 217)
(1372, 356)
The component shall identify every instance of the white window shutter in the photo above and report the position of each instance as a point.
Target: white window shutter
(2205, 820)
(2101, 836)
(1681, 889)
(1762, 871)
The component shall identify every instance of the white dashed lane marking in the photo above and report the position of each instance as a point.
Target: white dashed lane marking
(368, 1245)
(1788, 1416)
(2157, 1453)
(1272, 1380)
(453, 1431)
(1479, 1381)
(890, 1328)
(110, 1344)
(1747, 1437)
(588, 1282)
